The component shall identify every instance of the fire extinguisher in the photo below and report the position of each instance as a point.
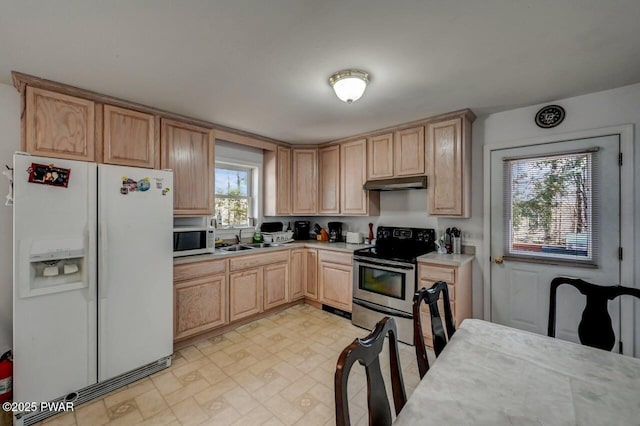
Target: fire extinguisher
(6, 372)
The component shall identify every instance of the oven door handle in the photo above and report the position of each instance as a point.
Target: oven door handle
(387, 265)
(382, 310)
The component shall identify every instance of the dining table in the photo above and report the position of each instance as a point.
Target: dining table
(490, 374)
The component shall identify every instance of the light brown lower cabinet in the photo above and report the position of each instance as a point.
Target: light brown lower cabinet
(276, 285)
(335, 273)
(245, 293)
(199, 297)
(304, 274)
(458, 279)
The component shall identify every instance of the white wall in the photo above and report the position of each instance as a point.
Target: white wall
(9, 143)
(602, 109)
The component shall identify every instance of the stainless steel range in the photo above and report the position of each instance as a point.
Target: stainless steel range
(385, 277)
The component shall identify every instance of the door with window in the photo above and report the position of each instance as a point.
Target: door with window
(555, 211)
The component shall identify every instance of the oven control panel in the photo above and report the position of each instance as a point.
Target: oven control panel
(388, 233)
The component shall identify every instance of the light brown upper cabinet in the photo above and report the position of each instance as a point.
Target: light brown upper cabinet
(329, 180)
(353, 174)
(305, 181)
(449, 167)
(277, 186)
(58, 125)
(188, 150)
(408, 152)
(130, 138)
(380, 156)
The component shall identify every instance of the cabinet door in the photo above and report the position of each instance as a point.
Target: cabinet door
(276, 285)
(353, 174)
(305, 181)
(283, 181)
(336, 285)
(446, 169)
(129, 138)
(59, 126)
(297, 278)
(200, 305)
(311, 272)
(329, 180)
(188, 151)
(380, 156)
(408, 152)
(245, 293)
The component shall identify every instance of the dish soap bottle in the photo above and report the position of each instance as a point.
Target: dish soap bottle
(257, 236)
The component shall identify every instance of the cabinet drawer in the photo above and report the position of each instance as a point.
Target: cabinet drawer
(198, 269)
(437, 273)
(429, 283)
(253, 260)
(335, 257)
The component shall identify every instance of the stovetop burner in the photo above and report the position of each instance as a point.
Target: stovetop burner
(400, 244)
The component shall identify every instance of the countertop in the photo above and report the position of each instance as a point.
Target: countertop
(446, 259)
(221, 254)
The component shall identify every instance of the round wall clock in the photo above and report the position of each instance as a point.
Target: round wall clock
(549, 116)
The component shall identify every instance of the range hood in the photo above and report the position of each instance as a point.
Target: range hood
(396, 184)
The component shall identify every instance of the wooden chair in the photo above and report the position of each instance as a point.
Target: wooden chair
(430, 297)
(367, 352)
(595, 328)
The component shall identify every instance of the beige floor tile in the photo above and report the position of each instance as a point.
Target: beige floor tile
(257, 416)
(241, 400)
(189, 412)
(284, 410)
(190, 366)
(187, 391)
(249, 381)
(212, 392)
(128, 393)
(191, 353)
(212, 373)
(167, 383)
(130, 418)
(92, 414)
(163, 418)
(320, 414)
(150, 403)
(63, 419)
(297, 388)
(221, 412)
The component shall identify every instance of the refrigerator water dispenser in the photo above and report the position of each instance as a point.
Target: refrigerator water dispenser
(55, 265)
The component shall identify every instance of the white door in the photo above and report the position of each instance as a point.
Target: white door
(555, 211)
(135, 268)
(54, 306)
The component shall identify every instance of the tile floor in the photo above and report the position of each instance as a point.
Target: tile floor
(274, 371)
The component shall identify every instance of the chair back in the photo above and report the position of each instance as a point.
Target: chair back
(431, 296)
(595, 328)
(367, 352)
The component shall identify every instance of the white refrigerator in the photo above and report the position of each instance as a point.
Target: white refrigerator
(93, 270)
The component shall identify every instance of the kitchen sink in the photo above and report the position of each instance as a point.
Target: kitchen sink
(237, 247)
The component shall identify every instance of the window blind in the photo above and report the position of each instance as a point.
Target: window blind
(550, 207)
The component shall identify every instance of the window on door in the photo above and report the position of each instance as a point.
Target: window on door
(549, 207)
(234, 195)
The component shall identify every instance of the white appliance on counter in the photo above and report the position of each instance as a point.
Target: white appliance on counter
(193, 235)
(93, 300)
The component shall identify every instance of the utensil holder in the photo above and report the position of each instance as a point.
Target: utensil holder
(457, 245)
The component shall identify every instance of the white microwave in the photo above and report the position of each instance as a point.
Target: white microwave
(193, 236)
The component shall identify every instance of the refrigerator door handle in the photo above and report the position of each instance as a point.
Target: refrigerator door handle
(102, 270)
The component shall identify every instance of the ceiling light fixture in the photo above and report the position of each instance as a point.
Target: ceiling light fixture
(349, 85)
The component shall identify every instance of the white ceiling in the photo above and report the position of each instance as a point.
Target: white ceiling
(262, 65)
